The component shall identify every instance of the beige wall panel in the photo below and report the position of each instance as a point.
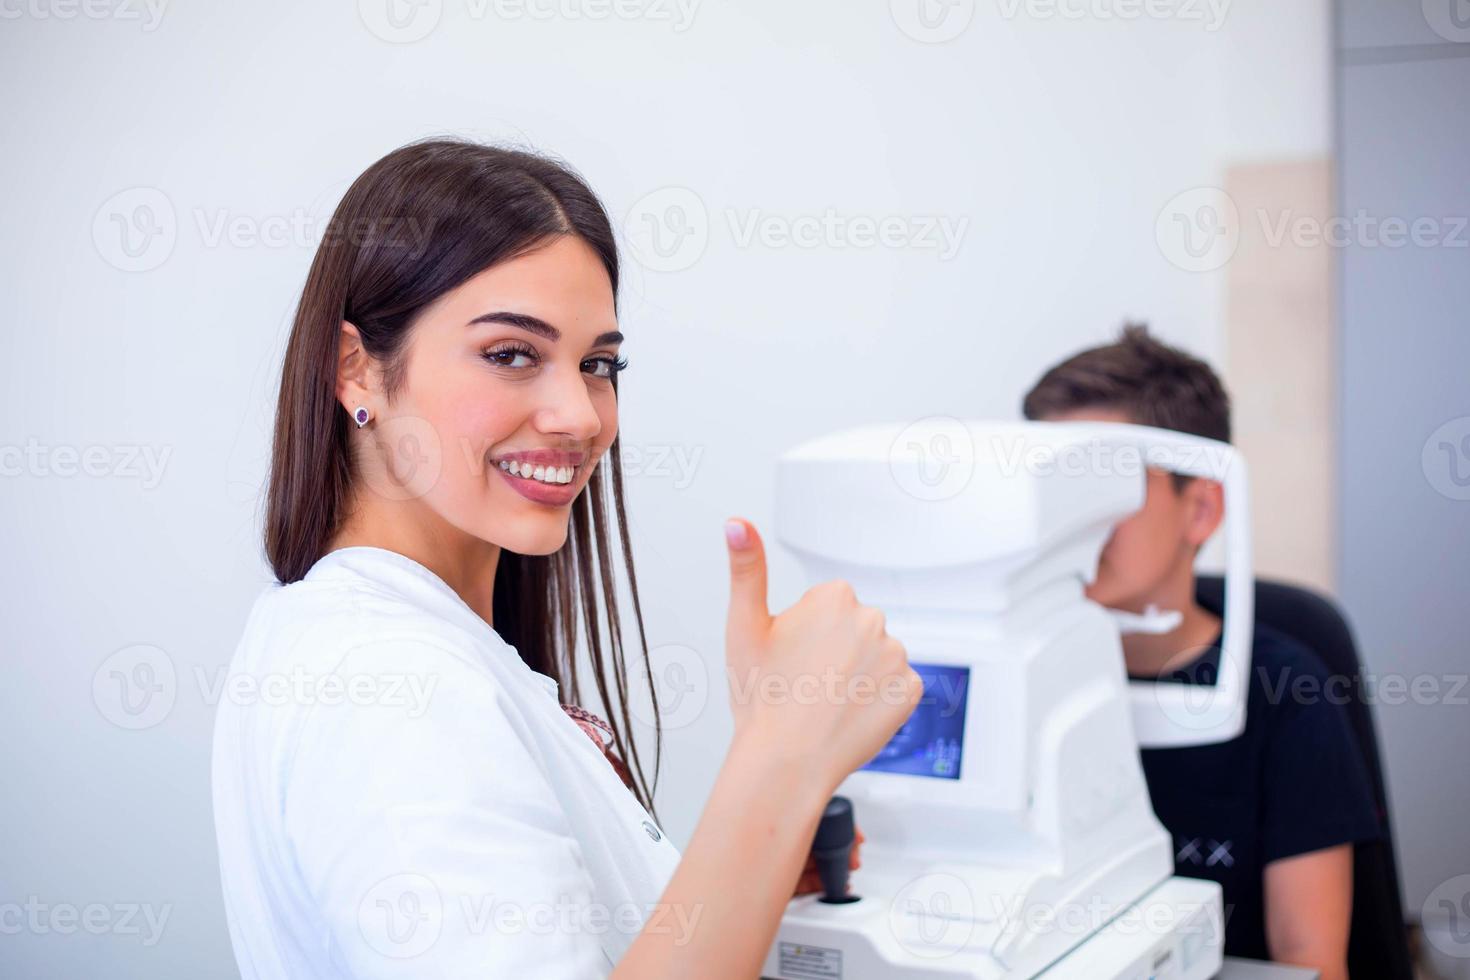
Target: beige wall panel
(1281, 364)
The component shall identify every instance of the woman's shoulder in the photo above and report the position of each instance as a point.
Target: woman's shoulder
(341, 624)
(331, 661)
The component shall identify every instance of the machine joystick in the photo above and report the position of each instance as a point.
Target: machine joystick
(832, 850)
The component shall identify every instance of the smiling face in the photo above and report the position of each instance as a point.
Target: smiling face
(507, 401)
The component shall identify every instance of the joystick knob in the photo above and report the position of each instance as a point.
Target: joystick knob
(832, 850)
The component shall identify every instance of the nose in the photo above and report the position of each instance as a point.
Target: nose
(567, 407)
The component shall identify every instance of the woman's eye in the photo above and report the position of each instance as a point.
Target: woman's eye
(604, 367)
(510, 357)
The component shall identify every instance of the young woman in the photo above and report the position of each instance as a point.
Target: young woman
(403, 782)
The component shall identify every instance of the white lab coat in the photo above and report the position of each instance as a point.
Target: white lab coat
(396, 794)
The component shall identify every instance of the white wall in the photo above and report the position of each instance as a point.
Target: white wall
(1058, 141)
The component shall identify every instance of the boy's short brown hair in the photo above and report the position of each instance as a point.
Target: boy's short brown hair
(1153, 383)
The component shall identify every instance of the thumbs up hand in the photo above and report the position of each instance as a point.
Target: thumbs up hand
(822, 683)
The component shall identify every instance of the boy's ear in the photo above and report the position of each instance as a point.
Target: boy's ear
(1204, 502)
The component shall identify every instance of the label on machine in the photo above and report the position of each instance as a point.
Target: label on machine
(802, 962)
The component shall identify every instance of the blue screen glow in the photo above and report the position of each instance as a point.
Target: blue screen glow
(931, 742)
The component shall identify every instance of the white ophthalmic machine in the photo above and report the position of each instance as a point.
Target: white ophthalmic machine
(1007, 825)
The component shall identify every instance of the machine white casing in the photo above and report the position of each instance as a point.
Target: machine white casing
(975, 539)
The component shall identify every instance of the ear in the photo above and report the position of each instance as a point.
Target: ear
(354, 371)
(1204, 509)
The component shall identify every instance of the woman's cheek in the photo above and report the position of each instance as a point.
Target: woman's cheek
(482, 427)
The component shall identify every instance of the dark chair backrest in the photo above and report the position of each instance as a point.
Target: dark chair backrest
(1378, 948)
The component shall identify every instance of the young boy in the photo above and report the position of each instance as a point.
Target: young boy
(1272, 814)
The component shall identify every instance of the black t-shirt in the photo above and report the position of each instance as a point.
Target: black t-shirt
(1293, 782)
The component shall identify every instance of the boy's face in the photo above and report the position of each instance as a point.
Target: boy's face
(1150, 553)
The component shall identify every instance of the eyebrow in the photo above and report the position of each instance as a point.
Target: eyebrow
(539, 326)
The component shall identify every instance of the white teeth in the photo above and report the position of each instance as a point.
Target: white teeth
(545, 474)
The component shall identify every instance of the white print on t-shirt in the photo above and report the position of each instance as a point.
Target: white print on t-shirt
(1193, 852)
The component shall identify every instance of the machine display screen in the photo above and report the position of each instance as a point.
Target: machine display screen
(931, 742)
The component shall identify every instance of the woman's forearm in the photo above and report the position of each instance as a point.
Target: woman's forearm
(789, 754)
(720, 911)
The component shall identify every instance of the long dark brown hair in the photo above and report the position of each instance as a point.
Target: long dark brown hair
(416, 224)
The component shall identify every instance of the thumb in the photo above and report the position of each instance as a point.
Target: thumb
(748, 614)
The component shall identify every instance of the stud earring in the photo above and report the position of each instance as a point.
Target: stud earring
(361, 416)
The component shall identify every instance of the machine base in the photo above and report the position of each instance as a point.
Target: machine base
(1153, 941)
(1175, 932)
